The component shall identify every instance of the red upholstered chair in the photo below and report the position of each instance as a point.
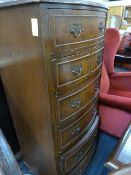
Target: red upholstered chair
(115, 90)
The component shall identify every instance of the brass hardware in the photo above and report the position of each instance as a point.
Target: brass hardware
(56, 93)
(99, 61)
(97, 89)
(77, 70)
(99, 58)
(62, 157)
(79, 156)
(76, 103)
(94, 112)
(76, 30)
(80, 172)
(101, 27)
(76, 130)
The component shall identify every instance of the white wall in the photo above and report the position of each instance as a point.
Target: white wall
(118, 3)
(99, 1)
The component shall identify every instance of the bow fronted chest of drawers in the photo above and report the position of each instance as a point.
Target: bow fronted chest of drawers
(51, 57)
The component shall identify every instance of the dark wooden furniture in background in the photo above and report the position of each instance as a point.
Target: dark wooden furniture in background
(125, 170)
(121, 156)
(51, 56)
(123, 61)
(6, 122)
(8, 164)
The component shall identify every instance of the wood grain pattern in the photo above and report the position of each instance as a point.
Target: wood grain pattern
(71, 29)
(80, 168)
(8, 164)
(71, 158)
(24, 80)
(52, 111)
(69, 105)
(75, 131)
(61, 22)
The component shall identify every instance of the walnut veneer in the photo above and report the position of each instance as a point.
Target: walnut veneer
(51, 78)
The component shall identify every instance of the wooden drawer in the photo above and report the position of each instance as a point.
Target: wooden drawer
(73, 103)
(73, 132)
(72, 28)
(77, 68)
(98, 46)
(73, 70)
(76, 26)
(79, 170)
(72, 157)
(96, 59)
(85, 50)
(77, 115)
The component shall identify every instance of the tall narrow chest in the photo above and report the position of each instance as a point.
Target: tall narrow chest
(51, 57)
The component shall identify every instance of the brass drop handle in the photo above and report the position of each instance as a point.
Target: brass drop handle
(97, 89)
(77, 70)
(80, 172)
(76, 103)
(99, 61)
(79, 156)
(94, 112)
(101, 27)
(76, 30)
(76, 131)
(99, 58)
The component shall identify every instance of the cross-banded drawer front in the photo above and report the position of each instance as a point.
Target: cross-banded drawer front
(77, 68)
(79, 170)
(75, 27)
(85, 50)
(78, 28)
(69, 29)
(73, 70)
(71, 133)
(73, 103)
(71, 158)
(77, 155)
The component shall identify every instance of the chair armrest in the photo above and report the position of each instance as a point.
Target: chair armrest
(124, 170)
(115, 101)
(120, 80)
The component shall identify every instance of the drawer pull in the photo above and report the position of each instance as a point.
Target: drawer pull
(76, 103)
(77, 70)
(76, 131)
(99, 61)
(94, 112)
(79, 156)
(97, 89)
(101, 27)
(76, 30)
(99, 58)
(80, 172)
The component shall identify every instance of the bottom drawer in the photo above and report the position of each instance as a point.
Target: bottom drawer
(79, 170)
(76, 154)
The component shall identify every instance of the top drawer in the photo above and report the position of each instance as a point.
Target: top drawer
(74, 27)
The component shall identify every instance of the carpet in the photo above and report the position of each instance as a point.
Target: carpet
(106, 144)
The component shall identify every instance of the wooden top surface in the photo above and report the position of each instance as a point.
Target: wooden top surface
(6, 3)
